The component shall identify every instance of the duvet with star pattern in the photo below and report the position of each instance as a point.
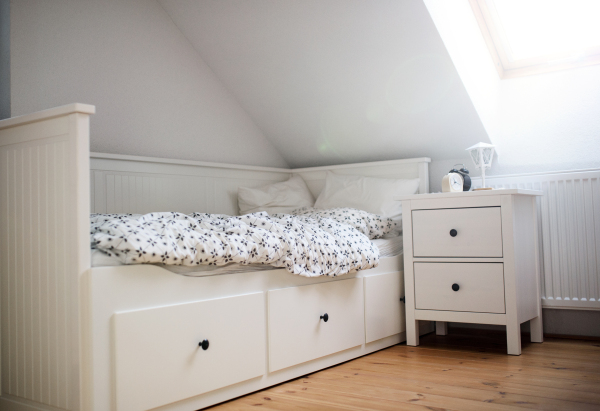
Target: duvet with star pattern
(309, 242)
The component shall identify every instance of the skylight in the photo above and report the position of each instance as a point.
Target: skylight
(533, 36)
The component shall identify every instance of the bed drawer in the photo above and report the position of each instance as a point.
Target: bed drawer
(384, 312)
(158, 359)
(474, 287)
(297, 333)
(477, 232)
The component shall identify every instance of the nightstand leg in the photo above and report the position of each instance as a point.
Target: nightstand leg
(537, 330)
(513, 338)
(441, 328)
(412, 332)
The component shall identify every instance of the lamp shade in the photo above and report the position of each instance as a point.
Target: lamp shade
(482, 154)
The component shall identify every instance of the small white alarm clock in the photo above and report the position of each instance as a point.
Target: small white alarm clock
(452, 182)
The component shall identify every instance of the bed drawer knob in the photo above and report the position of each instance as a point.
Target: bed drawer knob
(203, 344)
(453, 233)
(325, 317)
(455, 287)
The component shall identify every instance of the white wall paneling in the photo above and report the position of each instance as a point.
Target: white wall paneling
(128, 184)
(44, 228)
(131, 184)
(569, 234)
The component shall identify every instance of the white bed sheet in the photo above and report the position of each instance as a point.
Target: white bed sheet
(388, 247)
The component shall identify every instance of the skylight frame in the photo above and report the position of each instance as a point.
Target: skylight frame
(495, 39)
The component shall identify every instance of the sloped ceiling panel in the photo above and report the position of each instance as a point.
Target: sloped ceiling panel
(336, 81)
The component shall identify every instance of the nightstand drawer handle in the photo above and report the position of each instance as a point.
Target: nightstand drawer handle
(455, 287)
(453, 233)
(325, 317)
(204, 344)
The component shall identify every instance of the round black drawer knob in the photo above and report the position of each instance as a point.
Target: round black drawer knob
(453, 233)
(203, 344)
(325, 317)
(455, 287)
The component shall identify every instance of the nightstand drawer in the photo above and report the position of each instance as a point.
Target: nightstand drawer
(457, 232)
(474, 287)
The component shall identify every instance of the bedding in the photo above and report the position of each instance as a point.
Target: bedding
(388, 247)
(309, 243)
(283, 197)
(374, 195)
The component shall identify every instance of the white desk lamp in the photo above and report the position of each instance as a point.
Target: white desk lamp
(482, 155)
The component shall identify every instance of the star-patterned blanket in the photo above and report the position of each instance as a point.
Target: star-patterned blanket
(309, 242)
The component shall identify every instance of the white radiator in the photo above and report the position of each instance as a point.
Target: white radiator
(569, 234)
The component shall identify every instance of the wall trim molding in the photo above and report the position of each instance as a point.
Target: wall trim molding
(126, 157)
(141, 159)
(542, 173)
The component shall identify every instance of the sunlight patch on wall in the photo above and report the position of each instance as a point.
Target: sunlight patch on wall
(540, 122)
(536, 28)
(526, 37)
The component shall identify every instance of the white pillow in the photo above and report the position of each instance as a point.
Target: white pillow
(281, 197)
(375, 195)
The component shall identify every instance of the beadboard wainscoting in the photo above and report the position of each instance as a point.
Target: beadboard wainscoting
(569, 234)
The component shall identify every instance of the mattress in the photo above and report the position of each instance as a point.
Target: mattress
(388, 247)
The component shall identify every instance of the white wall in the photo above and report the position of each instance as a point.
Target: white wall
(154, 94)
(336, 81)
(544, 122)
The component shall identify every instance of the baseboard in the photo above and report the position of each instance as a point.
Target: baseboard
(9, 403)
(558, 323)
(572, 337)
(468, 329)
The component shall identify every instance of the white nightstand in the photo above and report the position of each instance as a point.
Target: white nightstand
(472, 257)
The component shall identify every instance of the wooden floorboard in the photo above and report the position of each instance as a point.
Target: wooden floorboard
(465, 370)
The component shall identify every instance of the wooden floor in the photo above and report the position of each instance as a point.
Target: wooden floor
(465, 370)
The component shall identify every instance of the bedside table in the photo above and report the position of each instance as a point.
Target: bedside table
(472, 257)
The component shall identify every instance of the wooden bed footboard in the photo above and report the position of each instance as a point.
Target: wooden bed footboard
(44, 250)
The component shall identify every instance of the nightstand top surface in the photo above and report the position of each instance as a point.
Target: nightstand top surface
(462, 194)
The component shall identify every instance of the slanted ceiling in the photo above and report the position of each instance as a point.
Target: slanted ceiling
(336, 81)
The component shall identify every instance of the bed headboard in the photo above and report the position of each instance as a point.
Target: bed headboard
(132, 184)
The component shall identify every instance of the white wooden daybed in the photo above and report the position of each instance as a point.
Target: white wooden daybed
(76, 337)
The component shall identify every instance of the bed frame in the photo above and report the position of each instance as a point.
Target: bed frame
(119, 338)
